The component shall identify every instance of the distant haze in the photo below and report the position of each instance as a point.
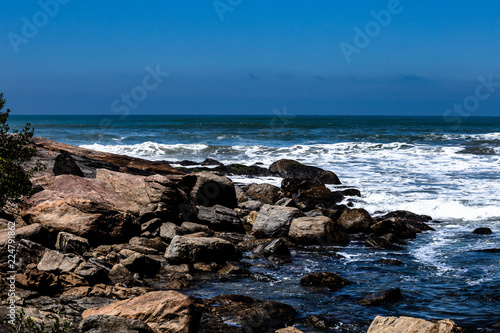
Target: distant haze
(250, 57)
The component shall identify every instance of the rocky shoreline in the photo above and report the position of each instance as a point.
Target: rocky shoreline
(108, 237)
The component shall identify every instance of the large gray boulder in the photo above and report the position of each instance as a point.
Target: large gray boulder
(186, 249)
(274, 221)
(411, 325)
(317, 230)
(220, 218)
(293, 169)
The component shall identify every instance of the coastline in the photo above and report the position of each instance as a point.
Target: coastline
(102, 221)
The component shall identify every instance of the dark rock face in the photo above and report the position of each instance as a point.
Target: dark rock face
(328, 280)
(236, 313)
(382, 297)
(412, 220)
(290, 168)
(390, 262)
(184, 249)
(294, 185)
(113, 324)
(265, 193)
(356, 220)
(70, 243)
(275, 247)
(220, 218)
(317, 197)
(482, 231)
(142, 264)
(66, 165)
(211, 189)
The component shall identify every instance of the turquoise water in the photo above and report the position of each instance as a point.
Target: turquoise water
(422, 164)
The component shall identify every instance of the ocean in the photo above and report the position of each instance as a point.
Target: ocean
(422, 164)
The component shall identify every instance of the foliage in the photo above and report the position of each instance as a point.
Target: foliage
(26, 324)
(15, 149)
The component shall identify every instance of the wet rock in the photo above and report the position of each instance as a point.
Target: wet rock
(152, 225)
(119, 274)
(263, 277)
(234, 269)
(411, 325)
(169, 230)
(290, 329)
(252, 205)
(70, 243)
(220, 218)
(236, 313)
(351, 192)
(274, 221)
(356, 220)
(265, 193)
(413, 221)
(394, 262)
(84, 207)
(328, 280)
(142, 264)
(54, 261)
(163, 311)
(293, 169)
(277, 247)
(383, 242)
(317, 197)
(294, 185)
(211, 190)
(382, 297)
(319, 322)
(211, 161)
(191, 228)
(64, 164)
(482, 231)
(200, 249)
(310, 230)
(113, 324)
(153, 243)
(179, 281)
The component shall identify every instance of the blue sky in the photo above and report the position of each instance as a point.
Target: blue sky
(248, 57)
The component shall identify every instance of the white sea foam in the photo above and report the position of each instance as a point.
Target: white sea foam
(426, 179)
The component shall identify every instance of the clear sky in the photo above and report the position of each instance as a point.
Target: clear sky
(247, 57)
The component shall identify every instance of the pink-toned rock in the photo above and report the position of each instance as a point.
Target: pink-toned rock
(83, 207)
(163, 311)
(411, 325)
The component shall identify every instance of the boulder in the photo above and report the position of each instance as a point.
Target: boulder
(328, 280)
(482, 231)
(142, 264)
(356, 220)
(84, 207)
(294, 185)
(152, 225)
(226, 312)
(317, 197)
(155, 196)
(119, 274)
(220, 218)
(153, 243)
(411, 325)
(32, 253)
(293, 169)
(211, 189)
(412, 221)
(113, 324)
(276, 247)
(169, 230)
(265, 193)
(290, 329)
(313, 230)
(64, 164)
(33, 232)
(274, 221)
(163, 311)
(382, 297)
(191, 228)
(70, 243)
(184, 249)
(252, 205)
(54, 261)
(234, 269)
(92, 273)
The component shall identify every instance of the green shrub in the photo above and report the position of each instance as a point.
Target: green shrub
(15, 149)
